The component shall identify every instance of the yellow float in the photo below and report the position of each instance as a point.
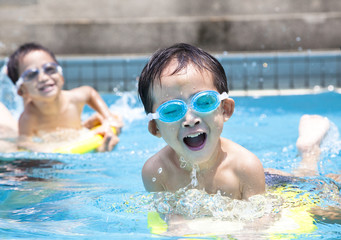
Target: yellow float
(85, 145)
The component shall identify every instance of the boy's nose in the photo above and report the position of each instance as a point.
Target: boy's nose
(42, 76)
(191, 119)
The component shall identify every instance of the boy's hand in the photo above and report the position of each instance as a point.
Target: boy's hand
(110, 139)
(104, 128)
(97, 119)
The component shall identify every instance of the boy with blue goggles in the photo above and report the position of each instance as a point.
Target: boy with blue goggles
(174, 110)
(195, 147)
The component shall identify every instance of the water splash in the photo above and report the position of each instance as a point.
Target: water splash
(183, 162)
(128, 107)
(8, 93)
(194, 203)
(330, 152)
(195, 169)
(194, 179)
(331, 142)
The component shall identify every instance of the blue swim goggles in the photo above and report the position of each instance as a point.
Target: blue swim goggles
(33, 73)
(176, 109)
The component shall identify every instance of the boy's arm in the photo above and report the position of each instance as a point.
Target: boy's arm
(95, 101)
(107, 119)
(7, 118)
(252, 177)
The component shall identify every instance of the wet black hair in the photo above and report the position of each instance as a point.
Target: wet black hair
(184, 54)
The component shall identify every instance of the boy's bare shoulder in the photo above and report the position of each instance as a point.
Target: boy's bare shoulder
(152, 179)
(83, 88)
(241, 158)
(248, 168)
(160, 159)
(79, 90)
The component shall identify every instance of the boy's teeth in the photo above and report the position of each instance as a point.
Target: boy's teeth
(194, 135)
(195, 141)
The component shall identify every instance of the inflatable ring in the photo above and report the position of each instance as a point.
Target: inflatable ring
(84, 146)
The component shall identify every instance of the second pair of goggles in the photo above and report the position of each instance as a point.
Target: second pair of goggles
(176, 109)
(33, 73)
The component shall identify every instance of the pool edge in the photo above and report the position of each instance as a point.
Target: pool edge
(284, 92)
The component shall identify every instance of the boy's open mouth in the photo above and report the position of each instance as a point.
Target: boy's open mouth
(196, 141)
(46, 88)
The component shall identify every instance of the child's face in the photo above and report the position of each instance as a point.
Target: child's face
(195, 137)
(44, 85)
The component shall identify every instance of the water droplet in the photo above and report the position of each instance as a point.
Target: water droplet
(154, 179)
(183, 163)
(159, 170)
(194, 180)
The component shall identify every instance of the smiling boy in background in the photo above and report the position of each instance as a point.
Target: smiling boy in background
(39, 80)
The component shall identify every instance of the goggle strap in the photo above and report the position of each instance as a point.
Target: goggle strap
(60, 70)
(19, 83)
(223, 96)
(152, 116)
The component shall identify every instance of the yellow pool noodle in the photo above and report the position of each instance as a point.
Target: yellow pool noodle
(85, 145)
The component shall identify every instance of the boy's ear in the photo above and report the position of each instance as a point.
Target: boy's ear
(153, 129)
(20, 91)
(228, 108)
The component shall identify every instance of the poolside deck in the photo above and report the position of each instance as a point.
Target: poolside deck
(141, 27)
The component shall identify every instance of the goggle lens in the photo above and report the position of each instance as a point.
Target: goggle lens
(205, 102)
(30, 74)
(172, 111)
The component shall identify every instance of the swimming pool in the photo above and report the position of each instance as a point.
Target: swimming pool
(101, 195)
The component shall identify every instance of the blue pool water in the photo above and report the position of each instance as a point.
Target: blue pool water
(101, 195)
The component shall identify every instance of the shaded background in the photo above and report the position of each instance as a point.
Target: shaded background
(141, 27)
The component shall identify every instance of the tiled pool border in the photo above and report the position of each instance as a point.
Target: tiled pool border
(272, 73)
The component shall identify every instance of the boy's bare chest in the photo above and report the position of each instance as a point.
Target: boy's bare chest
(69, 117)
(225, 182)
